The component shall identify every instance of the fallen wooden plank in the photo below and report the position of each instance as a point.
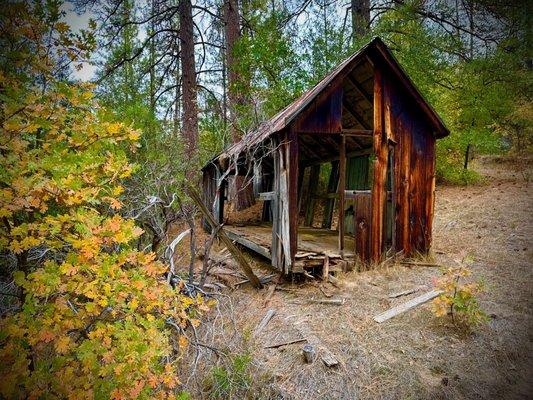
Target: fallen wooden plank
(268, 316)
(274, 346)
(254, 280)
(263, 280)
(403, 293)
(400, 309)
(265, 252)
(335, 302)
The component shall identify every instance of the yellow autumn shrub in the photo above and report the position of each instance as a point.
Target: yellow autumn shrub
(97, 318)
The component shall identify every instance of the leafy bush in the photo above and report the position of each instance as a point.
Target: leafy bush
(459, 300)
(96, 317)
(232, 381)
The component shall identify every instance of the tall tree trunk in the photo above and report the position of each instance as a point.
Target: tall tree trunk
(360, 18)
(232, 34)
(244, 197)
(189, 90)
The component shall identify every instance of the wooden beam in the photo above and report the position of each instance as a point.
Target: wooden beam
(358, 132)
(341, 189)
(354, 114)
(350, 154)
(360, 89)
(254, 280)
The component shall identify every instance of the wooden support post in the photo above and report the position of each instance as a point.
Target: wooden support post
(341, 189)
(292, 190)
(379, 190)
(254, 280)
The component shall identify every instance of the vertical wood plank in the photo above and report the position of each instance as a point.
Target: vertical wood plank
(380, 170)
(292, 181)
(341, 189)
(275, 211)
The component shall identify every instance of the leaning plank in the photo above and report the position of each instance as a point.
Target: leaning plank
(268, 316)
(400, 309)
(254, 280)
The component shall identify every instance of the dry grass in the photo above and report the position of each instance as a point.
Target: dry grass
(413, 355)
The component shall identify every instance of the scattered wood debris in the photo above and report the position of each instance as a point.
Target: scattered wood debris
(276, 345)
(400, 309)
(335, 302)
(239, 257)
(327, 357)
(309, 353)
(268, 316)
(403, 293)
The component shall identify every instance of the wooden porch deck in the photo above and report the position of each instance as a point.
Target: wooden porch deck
(314, 244)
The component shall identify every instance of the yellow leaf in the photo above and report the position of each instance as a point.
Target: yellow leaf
(183, 342)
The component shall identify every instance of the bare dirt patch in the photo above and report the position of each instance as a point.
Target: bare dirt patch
(413, 355)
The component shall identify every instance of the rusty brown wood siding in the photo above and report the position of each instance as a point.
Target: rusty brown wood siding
(414, 171)
(323, 115)
(292, 162)
(380, 169)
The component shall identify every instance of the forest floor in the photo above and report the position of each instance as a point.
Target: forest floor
(412, 356)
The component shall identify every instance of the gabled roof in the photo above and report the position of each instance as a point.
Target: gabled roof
(283, 118)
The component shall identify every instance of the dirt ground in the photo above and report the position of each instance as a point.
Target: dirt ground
(412, 356)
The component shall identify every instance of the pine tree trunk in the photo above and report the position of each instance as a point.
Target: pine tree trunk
(243, 193)
(189, 90)
(360, 18)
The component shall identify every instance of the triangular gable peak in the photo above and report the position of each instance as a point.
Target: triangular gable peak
(322, 102)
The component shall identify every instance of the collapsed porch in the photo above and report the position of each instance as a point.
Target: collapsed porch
(315, 245)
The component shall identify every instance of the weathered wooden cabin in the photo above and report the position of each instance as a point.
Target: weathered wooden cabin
(369, 134)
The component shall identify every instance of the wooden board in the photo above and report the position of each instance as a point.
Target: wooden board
(400, 309)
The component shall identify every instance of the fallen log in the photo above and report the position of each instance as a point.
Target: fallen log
(400, 309)
(239, 257)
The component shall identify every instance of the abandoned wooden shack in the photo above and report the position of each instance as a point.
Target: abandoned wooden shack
(369, 133)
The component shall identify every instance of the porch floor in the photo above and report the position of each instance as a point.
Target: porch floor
(310, 240)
